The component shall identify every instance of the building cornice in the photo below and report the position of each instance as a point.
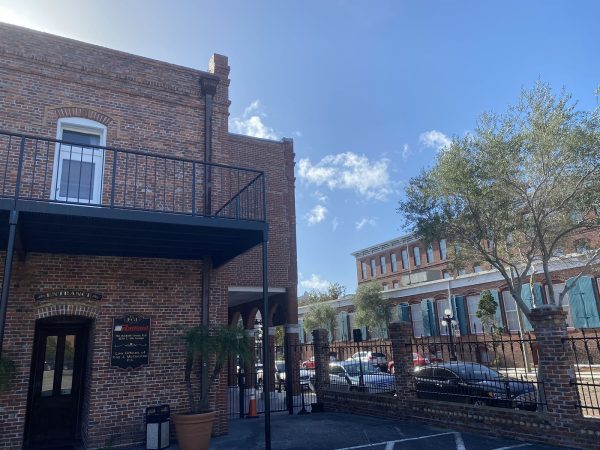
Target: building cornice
(378, 248)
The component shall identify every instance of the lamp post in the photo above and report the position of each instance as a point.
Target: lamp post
(449, 321)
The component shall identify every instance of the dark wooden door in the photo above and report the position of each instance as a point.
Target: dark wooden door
(56, 386)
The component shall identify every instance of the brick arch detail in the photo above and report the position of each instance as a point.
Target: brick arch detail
(83, 112)
(66, 309)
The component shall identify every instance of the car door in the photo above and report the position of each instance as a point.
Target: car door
(337, 376)
(450, 386)
(426, 384)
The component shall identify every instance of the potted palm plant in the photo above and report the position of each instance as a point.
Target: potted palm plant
(208, 350)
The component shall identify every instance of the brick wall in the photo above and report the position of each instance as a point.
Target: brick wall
(147, 105)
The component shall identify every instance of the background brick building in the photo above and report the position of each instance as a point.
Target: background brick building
(156, 258)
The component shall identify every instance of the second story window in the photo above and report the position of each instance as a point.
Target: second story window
(78, 163)
(430, 253)
(394, 263)
(445, 274)
(443, 249)
(363, 267)
(417, 255)
(383, 266)
(477, 268)
(385, 286)
(373, 270)
(405, 259)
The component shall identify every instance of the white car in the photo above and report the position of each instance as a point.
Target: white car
(375, 358)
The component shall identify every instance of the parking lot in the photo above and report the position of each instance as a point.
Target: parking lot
(333, 431)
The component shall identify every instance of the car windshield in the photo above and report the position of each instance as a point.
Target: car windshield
(354, 369)
(477, 372)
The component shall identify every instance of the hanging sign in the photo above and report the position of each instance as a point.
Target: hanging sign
(67, 293)
(130, 342)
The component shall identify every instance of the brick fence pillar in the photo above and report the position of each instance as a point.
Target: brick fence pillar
(555, 365)
(401, 337)
(321, 348)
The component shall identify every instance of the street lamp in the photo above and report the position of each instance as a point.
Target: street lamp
(449, 321)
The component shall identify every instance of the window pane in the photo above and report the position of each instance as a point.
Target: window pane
(473, 304)
(404, 259)
(76, 179)
(510, 308)
(443, 249)
(373, 272)
(364, 270)
(383, 266)
(67, 374)
(417, 255)
(430, 253)
(76, 137)
(417, 320)
(394, 263)
(49, 363)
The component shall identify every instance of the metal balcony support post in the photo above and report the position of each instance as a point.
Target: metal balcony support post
(12, 232)
(208, 85)
(266, 360)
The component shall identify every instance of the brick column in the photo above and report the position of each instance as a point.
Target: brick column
(555, 365)
(401, 337)
(292, 359)
(321, 346)
(272, 331)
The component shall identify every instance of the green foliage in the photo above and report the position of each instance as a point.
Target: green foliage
(372, 310)
(507, 193)
(486, 312)
(7, 373)
(320, 315)
(214, 346)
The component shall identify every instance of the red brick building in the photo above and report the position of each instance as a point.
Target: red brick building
(129, 207)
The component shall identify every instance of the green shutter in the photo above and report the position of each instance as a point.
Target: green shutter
(301, 330)
(460, 314)
(526, 297)
(499, 321)
(583, 303)
(345, 328)
(404, 312)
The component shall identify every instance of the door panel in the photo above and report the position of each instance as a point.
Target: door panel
(54, 409)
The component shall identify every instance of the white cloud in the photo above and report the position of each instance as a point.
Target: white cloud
(18, 18)
(348, 170)
(322, 198)
(316, 215)
(365, 221)
(251, 123)
(405, 152)
(434, 139)
(335, 223)
(315, 282)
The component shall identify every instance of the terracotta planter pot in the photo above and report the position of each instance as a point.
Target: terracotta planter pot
(193, 430)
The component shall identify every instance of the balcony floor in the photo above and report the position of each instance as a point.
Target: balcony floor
(88, 230)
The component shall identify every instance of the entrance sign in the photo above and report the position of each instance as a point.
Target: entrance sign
(130, 342)
(67, 293)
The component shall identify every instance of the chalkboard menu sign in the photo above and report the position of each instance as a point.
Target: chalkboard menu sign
(130, 341)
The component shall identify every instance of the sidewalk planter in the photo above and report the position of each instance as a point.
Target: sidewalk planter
(194, 430)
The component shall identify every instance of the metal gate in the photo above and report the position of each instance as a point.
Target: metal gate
(291, 394)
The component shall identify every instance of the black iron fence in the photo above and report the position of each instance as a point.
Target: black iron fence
(484, 369)
(49, 170)
(586, 353)
(361, 367)
(291, 389)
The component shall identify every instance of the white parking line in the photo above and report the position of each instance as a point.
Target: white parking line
(460, 444)
(395, 442)
(390, 445)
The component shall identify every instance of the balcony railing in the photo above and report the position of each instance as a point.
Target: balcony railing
(48, 170)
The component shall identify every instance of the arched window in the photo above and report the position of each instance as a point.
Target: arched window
(79, 161)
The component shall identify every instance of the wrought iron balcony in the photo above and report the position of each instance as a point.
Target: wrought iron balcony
(80, 198)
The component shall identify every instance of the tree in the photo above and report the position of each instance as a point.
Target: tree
(514, 192)
(321, 314)
(486, 311)
(372, 310)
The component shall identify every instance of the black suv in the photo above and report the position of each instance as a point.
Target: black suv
(474, 383)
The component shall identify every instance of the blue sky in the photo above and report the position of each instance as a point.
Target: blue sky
(368, 90)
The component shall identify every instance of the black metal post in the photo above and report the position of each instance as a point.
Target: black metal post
(449, 320)
(242, 393)
(266, 359)
(303, 411)
(12, 231)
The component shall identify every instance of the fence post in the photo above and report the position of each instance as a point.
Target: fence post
(555, 365)
(401, 338)
(321, 348)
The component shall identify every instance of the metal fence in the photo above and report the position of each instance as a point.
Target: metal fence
(586, 352)
(50, 170)
(291, 394)
(483, 369)
(361, 367)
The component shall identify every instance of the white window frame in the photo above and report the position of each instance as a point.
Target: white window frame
(430, 255)
(443, 250)
(383, 265)
(417, 256)
(373, 268)
(363, 267)
(405, 259)
(96, 157)
(511, 314)
(475, 325)
(558, 289)
(416, 316)
(394, 262)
